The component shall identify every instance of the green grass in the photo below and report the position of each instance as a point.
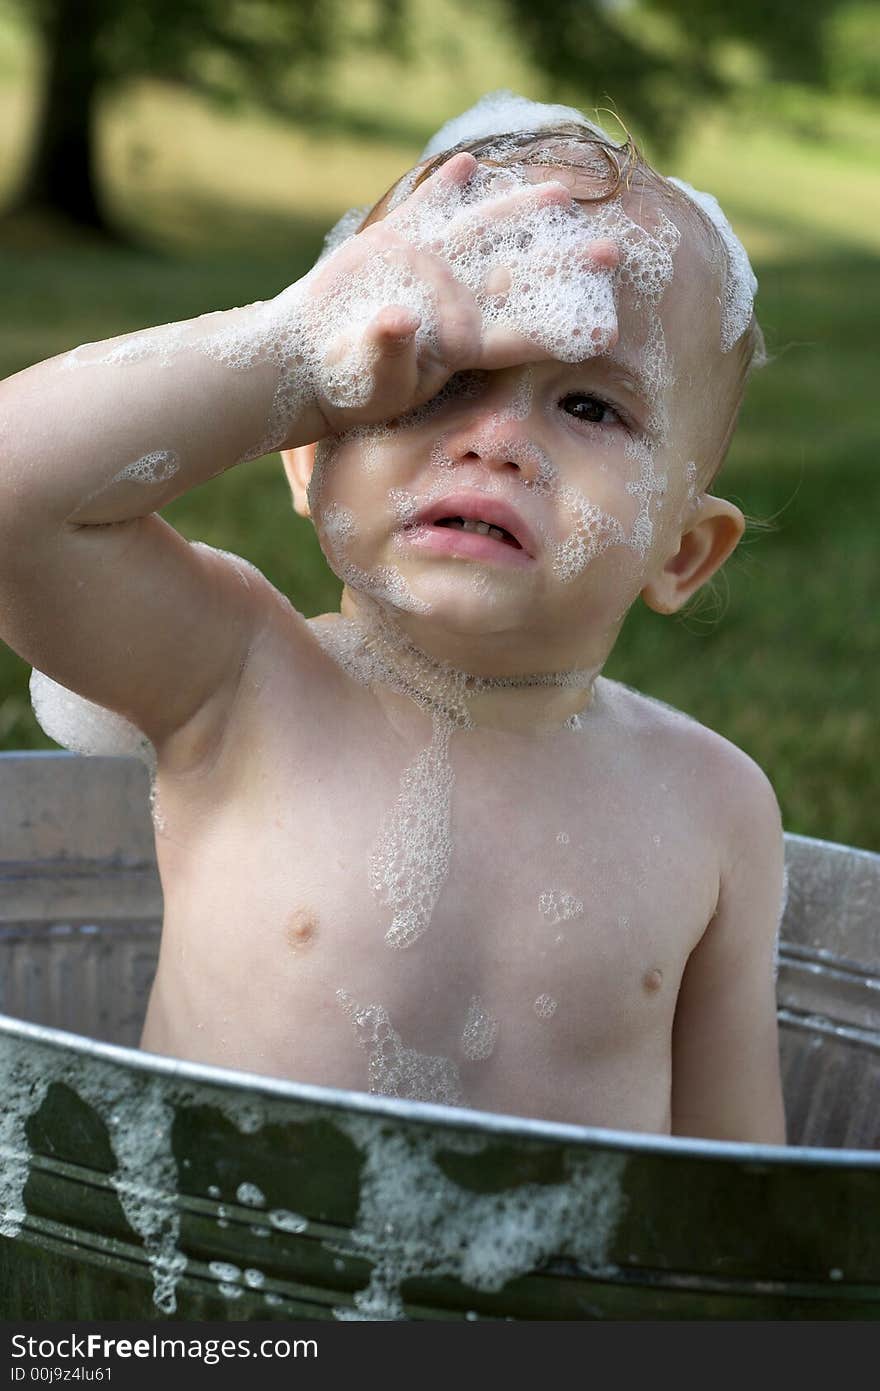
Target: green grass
(784, 659)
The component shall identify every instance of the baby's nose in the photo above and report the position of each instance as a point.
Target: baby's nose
(497, 444)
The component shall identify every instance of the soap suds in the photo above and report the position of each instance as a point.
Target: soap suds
(498, 113)
(410, 860)
(479, 1033)
(557, 907)
(287, 1221)
(395, 1069)
(138, 1111)
(138, 1116)
(156, 467)
(84, 727)
(545, 1006)
(250, 1195)
(414, 1221)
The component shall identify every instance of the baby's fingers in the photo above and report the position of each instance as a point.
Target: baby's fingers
(455, 173)
(393, 330)
(602, 254)
(473, 226)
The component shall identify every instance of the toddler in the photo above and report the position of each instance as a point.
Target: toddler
(423, 847)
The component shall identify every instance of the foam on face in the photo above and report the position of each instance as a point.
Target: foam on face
(542, 260)
(384, 583)
(539, 252)
(593, 532)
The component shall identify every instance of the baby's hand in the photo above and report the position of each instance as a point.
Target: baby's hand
(425, 293)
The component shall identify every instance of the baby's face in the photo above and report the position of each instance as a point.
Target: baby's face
(529, 506)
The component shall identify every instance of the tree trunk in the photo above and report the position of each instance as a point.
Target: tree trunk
(62, 179)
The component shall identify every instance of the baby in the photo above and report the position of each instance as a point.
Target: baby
(423, 847)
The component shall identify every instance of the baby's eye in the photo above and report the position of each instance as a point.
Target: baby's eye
(591, 409)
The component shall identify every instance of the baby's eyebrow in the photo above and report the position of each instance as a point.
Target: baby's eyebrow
(627, 375)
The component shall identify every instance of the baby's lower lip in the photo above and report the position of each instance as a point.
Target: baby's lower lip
(469, 545)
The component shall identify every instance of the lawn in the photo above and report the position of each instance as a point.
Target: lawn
(783, 658)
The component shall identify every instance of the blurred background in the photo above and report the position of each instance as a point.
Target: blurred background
(163, 158)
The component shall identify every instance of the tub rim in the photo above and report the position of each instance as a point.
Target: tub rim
(492, 1125)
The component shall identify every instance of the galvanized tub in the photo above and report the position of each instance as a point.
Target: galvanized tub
(133, 1186)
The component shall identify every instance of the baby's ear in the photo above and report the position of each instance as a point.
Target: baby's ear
(711, 533)
(298, 465)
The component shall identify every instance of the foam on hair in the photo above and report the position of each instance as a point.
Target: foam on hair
(740, 281)
(500, 112)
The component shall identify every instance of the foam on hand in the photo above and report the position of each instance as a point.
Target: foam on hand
(549, 295)
(503, 112)
(551, 298)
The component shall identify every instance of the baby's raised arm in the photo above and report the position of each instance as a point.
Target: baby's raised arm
(100, 593)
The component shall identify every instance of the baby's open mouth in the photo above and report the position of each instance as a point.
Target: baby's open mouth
(498, 533)
(471, 525)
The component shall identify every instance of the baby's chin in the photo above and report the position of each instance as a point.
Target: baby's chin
(485, 635)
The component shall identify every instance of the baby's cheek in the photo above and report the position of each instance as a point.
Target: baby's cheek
(588, 530)
(354, 514)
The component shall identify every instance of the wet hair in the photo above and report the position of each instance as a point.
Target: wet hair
(609, 170)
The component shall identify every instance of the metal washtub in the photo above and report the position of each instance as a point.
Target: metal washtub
(134, 1186)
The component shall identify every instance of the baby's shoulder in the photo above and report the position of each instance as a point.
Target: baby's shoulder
(718, 777)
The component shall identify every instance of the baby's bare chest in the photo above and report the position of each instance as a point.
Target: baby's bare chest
(491, 902)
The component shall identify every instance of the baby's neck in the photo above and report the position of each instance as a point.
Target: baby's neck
(381, 655)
